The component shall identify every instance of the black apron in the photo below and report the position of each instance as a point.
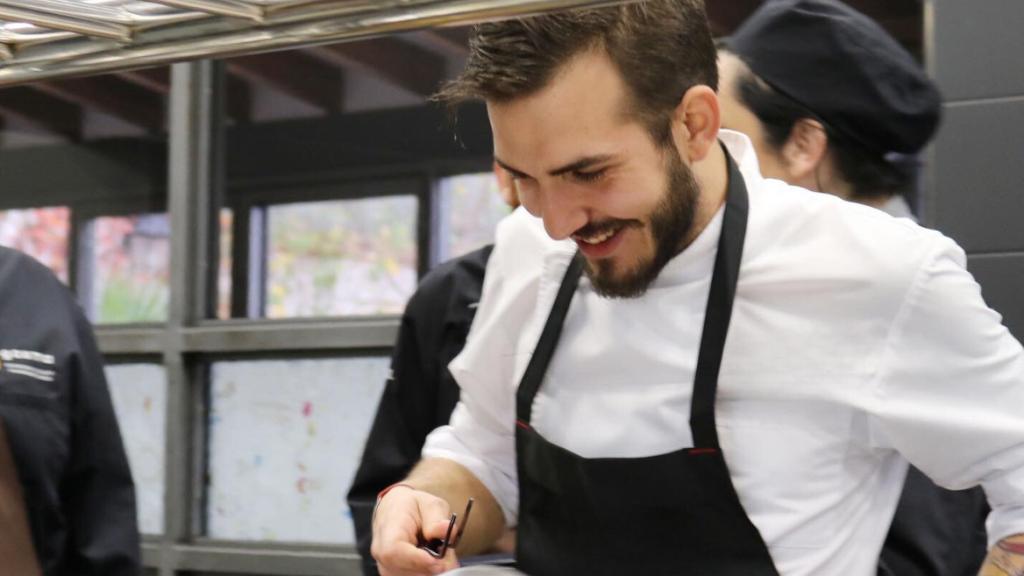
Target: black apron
(672, 514)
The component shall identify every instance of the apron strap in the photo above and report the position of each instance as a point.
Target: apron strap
(719, 310)
(716, 320)
(534, 375)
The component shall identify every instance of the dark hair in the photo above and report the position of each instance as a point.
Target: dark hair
(870, 174)
(662, 48)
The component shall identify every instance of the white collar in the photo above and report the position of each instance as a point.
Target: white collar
(742, 151)
(697, 260)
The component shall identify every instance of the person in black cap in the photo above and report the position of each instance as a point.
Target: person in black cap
(830, 100)
(832, 103)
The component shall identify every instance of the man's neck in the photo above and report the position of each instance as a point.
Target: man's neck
(712, 176)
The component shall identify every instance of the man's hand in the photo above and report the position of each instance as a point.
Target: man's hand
(1006, 558)
(404, 518)
(418, 511)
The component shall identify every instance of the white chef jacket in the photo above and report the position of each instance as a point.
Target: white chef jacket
(858, 342)
(897, 207)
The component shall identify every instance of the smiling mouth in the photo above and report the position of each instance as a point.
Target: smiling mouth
(600, 244)
(595, 239)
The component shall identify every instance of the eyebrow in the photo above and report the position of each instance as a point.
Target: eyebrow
(576, 165)
(511, 170)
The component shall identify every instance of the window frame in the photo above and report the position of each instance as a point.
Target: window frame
(193, 338)
(186, 177)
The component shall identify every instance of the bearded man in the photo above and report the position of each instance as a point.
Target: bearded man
(696, 370)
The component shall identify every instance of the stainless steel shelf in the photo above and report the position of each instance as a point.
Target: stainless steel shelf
(45, 39)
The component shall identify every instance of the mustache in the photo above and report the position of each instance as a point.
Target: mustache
(596, 228)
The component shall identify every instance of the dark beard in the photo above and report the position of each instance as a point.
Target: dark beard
(670, 223)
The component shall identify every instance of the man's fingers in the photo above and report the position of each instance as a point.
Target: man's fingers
(403, 518)
(450, 561)
(435, 515)
(404, 559)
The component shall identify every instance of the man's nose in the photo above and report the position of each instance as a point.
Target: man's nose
(564, 211)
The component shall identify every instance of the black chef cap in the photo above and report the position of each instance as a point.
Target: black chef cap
(844, 68)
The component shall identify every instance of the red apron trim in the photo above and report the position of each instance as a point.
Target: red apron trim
(699, 451)
(522, 425)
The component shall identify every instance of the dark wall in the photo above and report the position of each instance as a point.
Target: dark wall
(975, 184)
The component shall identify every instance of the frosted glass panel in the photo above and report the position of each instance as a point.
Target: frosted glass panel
(139, 393)
(42, 233)
(341, 257)
(470, 209)
(285, 439)
(227, 218)
(131, 268)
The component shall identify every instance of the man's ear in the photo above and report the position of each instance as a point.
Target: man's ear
(506, 186)
(695, 123)
(804, 150)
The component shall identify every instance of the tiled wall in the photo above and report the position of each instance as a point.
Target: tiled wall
(975, 184)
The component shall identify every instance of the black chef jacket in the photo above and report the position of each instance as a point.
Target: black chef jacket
(61, 428)
(935, 532)
(421, 393)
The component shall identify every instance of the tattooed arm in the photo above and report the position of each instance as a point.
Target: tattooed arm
(1006, 558)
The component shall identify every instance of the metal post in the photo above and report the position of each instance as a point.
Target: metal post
(195, 165)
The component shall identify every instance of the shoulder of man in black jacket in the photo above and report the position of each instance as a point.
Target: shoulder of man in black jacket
(420, 394)
(62, 428)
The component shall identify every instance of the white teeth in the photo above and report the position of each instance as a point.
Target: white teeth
(599, 238)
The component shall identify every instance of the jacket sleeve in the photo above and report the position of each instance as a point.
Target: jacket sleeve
(949, 392)
(481, 433)
(98, 492)
(404, 418)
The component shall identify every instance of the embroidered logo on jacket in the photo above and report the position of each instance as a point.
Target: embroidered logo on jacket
(35, 365)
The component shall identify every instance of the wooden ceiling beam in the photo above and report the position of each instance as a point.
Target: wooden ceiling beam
(295, 73)
(401, 63)
(51, 114)
(900, 18)
(154, 79)
(239, 95)
(112, 96)
(453, 42)
(894, 15)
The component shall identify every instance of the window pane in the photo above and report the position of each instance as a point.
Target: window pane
(344, 257)
(139, 393)
(42, 233)
(227, 218)
(285, 440)
(130, 262)
(469, 210)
